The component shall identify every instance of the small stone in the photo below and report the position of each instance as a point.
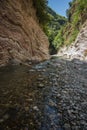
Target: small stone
(26, 109)
(75, 127)
(67, 126)
(29, 100)
(59, 115)
(64, 92)
(53, 104)
(58, 95)
(83, 122)
(43, 70)
(41, 85)
(35, 108)
(69, 111)
(55, 84)
(1, 120)
(40, 79)
(54, 80)
(57, 76)
(31, 70)
(6, 116)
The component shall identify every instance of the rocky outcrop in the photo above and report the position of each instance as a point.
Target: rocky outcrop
(21, 38)
(78, 49)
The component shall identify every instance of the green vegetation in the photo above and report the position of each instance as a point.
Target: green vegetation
(59, 40)
(60, 30)
(55, 23)
(77, 15)
(41, 11)
(49, 21)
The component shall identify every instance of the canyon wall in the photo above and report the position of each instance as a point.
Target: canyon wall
(78, 49)
(21, 38)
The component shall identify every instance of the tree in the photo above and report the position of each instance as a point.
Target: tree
(41, 7)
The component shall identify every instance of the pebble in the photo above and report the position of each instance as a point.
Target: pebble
(41, 85)
(35, 108)
(40, 79)
(53, 104)
(1, 120)
(68, 110)
(31, 70)
(6, 116)
(67, 127)
(29, 100)
(58, 95)
(26, 109)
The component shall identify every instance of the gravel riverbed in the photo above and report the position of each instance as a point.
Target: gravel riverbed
(51, 95)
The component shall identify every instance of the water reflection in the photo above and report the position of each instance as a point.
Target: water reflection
(25, 95)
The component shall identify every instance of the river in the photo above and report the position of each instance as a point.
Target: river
(51, 95)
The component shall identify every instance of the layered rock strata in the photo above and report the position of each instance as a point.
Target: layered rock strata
(21, 38)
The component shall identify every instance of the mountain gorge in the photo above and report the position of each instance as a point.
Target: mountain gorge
(74, 34)
(67, 36)
(55, 23)
(21, 37)
(77, 15)
(22, 27)
(39, 91)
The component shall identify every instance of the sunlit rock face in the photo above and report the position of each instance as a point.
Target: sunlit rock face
(21, 38)
(78, 49)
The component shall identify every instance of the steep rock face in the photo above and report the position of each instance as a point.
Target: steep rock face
(21, 38)
(78, 49)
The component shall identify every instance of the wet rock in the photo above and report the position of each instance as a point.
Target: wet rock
(76, 127)
(35, 108)
(67, 126)
(1, 120)
(41, 85)
(29, 100)
(40, 79)
(60, 103)
(6, 116)
(83, 123)
(58, 95)
(31, 70)
(43, 70)
(52, 104)
(55, 84)
(57, 76)
(26, 109)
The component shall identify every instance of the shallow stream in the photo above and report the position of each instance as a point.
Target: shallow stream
(51, 95)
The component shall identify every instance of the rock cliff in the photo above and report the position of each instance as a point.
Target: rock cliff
(78, 49)
(21, 38)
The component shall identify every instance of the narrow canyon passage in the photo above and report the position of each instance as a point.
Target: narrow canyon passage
(51, 95)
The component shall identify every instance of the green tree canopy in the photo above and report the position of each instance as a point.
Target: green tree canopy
(41, 10)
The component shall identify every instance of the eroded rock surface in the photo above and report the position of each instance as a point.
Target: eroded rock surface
(21, 38)
(78, 49)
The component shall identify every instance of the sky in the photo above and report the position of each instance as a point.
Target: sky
(59, 6)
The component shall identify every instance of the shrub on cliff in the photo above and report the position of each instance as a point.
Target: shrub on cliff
(41, 11)
(77, 15)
